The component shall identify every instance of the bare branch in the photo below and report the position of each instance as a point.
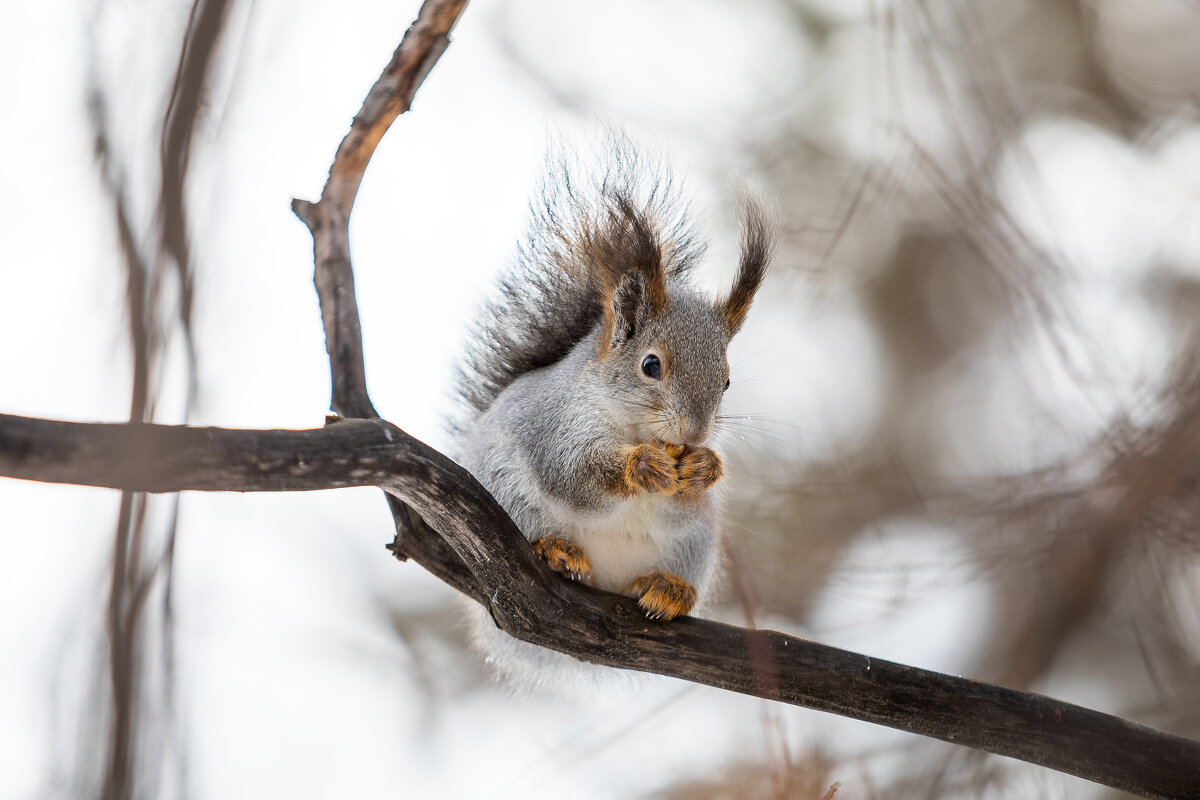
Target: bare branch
(204, 34)
(132, 579)
(329, 218)
(329, 222)
(537, 606)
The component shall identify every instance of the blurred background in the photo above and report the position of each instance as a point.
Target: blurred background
(969, 397)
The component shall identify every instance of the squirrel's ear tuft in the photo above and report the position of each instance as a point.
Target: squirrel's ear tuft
(628, 257)
(757, 246)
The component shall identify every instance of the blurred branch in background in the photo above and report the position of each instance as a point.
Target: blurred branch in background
(1030, 277)
(159, 299)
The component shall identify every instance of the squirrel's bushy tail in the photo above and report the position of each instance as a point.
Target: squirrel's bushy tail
(550, 298)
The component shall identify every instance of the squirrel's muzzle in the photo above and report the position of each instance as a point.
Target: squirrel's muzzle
(694, 433)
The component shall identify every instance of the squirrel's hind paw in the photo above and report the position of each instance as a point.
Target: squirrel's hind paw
(563, 556)
(663, 595)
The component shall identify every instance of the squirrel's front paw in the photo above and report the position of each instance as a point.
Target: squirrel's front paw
(563, 556)
(650, 468)
(699, 469)
(663, 595)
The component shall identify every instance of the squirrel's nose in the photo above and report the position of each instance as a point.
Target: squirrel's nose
(694, 433)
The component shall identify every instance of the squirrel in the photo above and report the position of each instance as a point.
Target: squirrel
(592, 383)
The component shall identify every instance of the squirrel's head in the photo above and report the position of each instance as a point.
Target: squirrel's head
(662, 345)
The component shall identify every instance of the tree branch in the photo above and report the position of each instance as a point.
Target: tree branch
(328, 221)
(329, 218)
(533, 604)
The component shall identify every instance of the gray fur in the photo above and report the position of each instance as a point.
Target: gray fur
(554, 398)
(550, 298)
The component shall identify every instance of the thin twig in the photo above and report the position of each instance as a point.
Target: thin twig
(329, 218)
(329, 222)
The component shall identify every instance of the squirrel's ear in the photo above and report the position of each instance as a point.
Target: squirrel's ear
(757, 244)
(625, 313)
(629, 260)
(630, 303)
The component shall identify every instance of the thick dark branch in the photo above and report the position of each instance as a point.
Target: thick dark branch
(534, 605)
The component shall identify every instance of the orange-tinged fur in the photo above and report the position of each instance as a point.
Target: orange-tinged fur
(650, 468)
(757, 243)
(655, 468)
(663, 595)
(660, 468)
(699, 469)
(563, 556)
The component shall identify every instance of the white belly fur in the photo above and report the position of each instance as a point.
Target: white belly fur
(623, 545)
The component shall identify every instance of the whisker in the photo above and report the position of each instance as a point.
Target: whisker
(780, 434)
(770, 419)
(789, 432)
(752, 434)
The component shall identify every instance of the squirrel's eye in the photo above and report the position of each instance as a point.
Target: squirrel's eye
(652, 367)
(726, 384)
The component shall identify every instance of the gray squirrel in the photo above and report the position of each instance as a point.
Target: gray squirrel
(592, 382)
